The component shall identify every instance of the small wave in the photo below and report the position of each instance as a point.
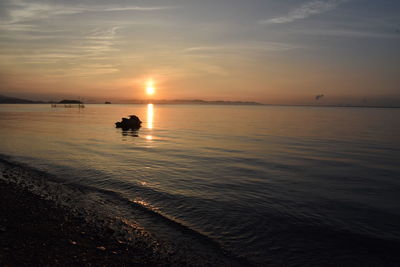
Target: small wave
(131, 219)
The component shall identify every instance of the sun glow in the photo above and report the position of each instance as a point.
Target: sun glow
(150, 88)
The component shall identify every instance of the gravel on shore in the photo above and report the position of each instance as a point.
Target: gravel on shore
(44, 222)
(35, 232)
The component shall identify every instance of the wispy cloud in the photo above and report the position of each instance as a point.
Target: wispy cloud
(88, 54)
(306, 10)
(350, 33)
(251, 46)
(26, 11)
(137, 8)
(43, 35)
(30, 11)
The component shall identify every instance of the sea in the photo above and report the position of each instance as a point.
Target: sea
(269, 185)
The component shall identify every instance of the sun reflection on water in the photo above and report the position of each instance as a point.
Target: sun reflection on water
(150, 116)
(144, 203)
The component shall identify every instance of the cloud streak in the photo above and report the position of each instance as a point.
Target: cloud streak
(136, 8)
(349, 33)
(251, 46)
(27, 11)
(306, 10)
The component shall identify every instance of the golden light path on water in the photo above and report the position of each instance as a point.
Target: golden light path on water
(150, 119)
(150, 116)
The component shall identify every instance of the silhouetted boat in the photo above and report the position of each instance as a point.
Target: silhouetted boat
(133, 123)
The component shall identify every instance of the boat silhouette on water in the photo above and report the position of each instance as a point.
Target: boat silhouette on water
(133, 123)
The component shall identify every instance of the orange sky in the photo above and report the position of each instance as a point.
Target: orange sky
(265, 51)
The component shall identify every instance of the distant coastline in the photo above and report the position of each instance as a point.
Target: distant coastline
(14, 100)
(191, 102)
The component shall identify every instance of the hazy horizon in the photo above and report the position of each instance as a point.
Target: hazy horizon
(272, 52)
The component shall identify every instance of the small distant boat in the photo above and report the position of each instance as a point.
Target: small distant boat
(107, 102)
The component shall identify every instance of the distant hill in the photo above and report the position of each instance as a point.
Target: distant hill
(14, 100)
(191, 101)
(205, 102)
(68, 101)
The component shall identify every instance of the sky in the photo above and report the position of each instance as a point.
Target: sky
(269, 51)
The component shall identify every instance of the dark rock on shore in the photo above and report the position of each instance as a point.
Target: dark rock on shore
(133, 123)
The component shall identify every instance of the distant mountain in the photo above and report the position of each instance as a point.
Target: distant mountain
(205, 102)
(14, 100)
(191, 101)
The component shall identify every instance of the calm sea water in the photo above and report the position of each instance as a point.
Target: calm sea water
(275, 185)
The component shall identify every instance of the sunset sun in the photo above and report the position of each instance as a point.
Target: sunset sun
(150, 88)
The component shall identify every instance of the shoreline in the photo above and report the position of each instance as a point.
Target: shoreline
(216, 103)
(38, 228)
(34, 231)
